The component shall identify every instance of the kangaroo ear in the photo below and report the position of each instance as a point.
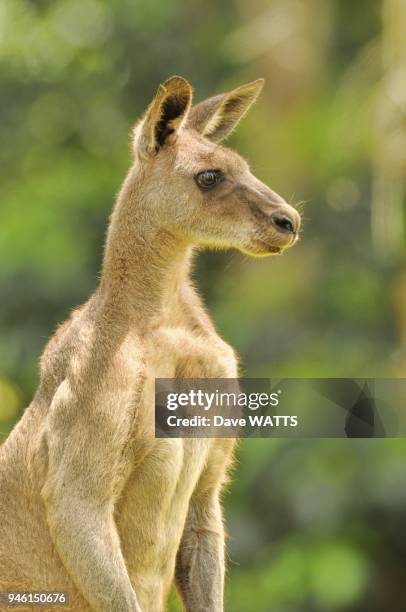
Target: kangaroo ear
(216, 117)
(164, 117)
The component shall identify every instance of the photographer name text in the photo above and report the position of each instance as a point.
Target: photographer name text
(253, 420)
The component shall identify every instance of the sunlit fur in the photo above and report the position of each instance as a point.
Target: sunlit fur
(91, 503)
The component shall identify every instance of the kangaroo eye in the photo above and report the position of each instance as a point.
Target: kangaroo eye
(207, 179)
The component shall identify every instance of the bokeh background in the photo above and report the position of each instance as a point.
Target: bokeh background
(313, 525)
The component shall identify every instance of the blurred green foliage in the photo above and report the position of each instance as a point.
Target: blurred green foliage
(314, 525)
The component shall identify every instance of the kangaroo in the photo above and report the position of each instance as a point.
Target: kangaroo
(91, 502)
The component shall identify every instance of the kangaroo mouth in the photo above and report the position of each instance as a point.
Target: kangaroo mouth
(259, 248)
(274, 249)
(268, 249)
(263, 247)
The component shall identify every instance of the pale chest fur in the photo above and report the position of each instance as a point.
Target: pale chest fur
(152, 509)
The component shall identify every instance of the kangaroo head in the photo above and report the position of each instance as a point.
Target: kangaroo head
(198, 190)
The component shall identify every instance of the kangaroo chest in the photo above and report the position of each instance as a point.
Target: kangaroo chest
(152, 509)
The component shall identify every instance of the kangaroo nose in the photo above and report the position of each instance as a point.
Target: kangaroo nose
(283, 223)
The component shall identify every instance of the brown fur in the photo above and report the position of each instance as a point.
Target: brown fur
(91, 503)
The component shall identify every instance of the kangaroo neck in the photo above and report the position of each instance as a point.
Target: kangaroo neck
(145, 266)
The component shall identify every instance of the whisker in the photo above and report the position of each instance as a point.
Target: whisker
(300, 204)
